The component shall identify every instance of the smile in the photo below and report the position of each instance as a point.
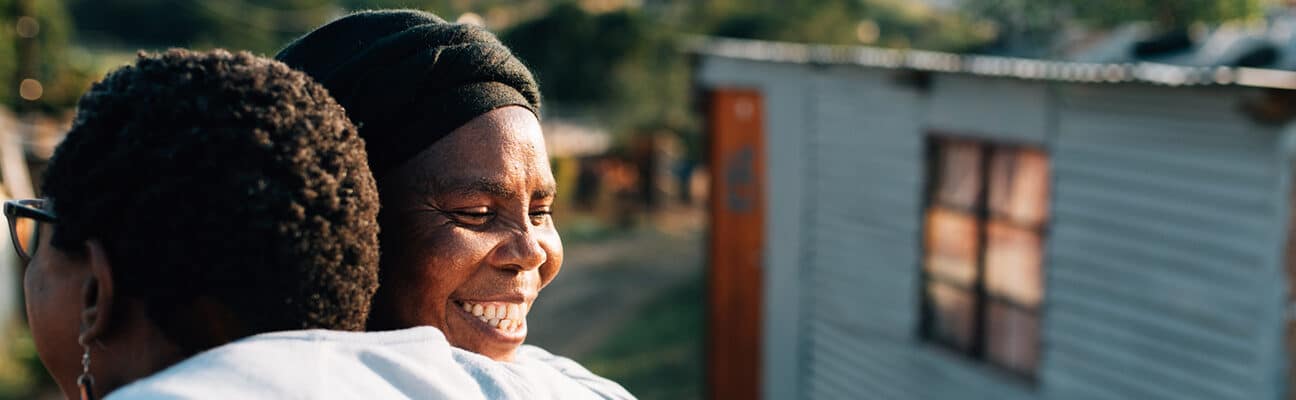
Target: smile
(504, 317)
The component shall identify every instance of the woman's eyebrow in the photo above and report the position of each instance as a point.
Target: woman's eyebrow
(548, 191)
(490, 187)
(474, 186)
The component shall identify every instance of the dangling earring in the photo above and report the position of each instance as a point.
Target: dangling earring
(86, 381)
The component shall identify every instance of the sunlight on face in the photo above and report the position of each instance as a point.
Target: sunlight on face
(469, 239)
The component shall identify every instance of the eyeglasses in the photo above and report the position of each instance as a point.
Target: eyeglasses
(25, 218)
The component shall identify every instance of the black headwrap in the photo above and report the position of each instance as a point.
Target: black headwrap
(408, 78)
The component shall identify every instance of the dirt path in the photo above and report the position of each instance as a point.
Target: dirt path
(603, 283)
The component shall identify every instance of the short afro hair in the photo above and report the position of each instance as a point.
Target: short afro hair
(226, 176)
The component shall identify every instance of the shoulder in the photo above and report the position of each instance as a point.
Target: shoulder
(314, 365)
(536, 358)
(210, 375)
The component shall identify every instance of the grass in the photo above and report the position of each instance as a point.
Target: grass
(583, 229)
(658, 355)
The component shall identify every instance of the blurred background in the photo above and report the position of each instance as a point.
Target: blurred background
(631, 130)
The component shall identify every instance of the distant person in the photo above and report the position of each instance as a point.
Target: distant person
(451, 119)
(209, 232)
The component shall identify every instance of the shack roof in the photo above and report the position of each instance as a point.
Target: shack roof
(1156, 73)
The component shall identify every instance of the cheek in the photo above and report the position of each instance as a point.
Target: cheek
(553, 246)
(437, 264)
(51, 316)
(44, 303)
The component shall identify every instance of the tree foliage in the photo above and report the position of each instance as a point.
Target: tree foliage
(62, 82)
(619, 66)
(8, 55)
(624, 65)
(627, 66)
(1043, 16)
(1029, 27)
(895, 23)
(260, 26)
(1167, 13)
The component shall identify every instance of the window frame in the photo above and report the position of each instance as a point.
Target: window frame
(983, 214)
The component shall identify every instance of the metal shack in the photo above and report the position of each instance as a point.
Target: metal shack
(916, 225)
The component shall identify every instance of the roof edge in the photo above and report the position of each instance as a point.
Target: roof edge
(989, 66)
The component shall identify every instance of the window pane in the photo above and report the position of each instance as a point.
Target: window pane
(1019, 185)
(1012, 337)
(959, 182)
(1014, 257)
(952, 246)
(952, 315)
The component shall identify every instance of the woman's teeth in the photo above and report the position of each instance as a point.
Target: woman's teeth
(506, 317)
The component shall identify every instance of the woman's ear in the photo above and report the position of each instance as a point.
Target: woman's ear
(97, 294)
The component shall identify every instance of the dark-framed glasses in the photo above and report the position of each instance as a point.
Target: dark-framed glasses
(25, 219)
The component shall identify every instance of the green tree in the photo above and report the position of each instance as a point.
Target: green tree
(1024, 27)
(1029, 26)
(567, 54)
(623, 69)
(260, 26)
(1170, 14)
(890, 23)
(53, 31)
(8, 62)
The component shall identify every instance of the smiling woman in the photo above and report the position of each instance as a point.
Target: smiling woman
(451, 122)
(481, 200)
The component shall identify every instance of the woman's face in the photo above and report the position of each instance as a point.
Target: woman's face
(468, 239)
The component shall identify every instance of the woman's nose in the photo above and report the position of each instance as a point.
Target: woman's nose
(521, 251)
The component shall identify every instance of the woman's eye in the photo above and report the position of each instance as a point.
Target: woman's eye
(539, 217)
(473, 217)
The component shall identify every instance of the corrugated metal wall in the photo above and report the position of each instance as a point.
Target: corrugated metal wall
(861, 237)
(1008, 110)
(1163, 266)
(1164, 277)
(865, 188)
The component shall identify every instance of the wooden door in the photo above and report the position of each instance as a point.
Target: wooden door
(737, 159)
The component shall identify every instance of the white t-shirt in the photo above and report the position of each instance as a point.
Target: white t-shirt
(415, 363)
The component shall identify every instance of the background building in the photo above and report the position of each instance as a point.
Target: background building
(920, 225)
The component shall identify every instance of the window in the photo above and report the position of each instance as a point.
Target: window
(983, 261)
